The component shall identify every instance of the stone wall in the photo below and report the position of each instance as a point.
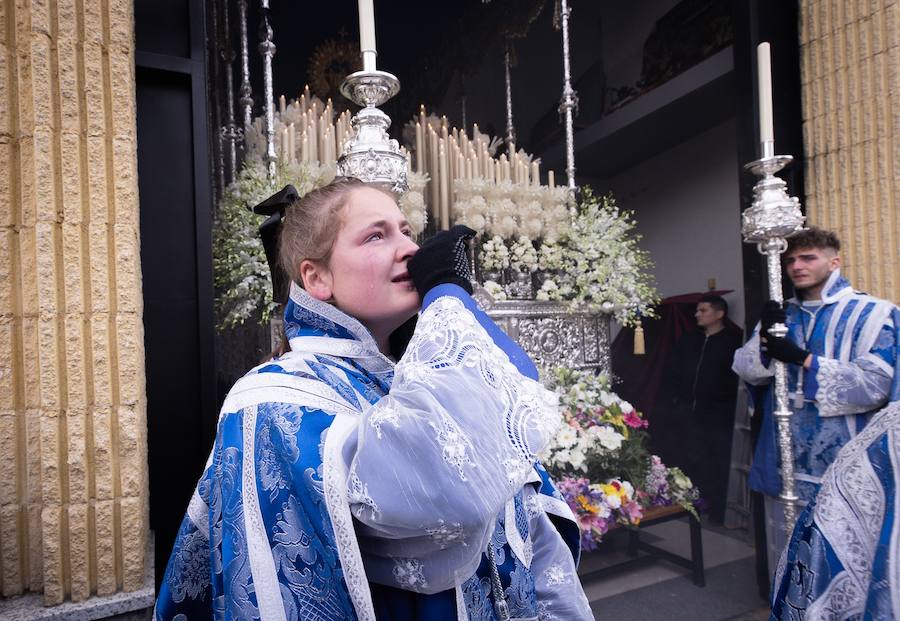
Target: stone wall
(850, 68)
(73, 499)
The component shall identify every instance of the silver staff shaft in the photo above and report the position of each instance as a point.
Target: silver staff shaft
(774, 216)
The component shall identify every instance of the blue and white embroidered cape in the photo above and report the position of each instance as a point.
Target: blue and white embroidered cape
(854, 339)
(843, 560)
(342, 486)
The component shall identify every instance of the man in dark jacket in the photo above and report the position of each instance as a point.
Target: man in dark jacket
(704, 389)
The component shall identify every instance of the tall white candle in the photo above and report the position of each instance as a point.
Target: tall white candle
(764, 72)
(367, 33)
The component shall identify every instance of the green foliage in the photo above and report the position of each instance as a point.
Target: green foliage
(240, 271)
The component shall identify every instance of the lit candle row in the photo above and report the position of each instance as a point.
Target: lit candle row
(316, 135)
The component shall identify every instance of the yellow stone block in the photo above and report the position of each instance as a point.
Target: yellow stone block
(93, 14)
(8, 364)
(98, 183)
(70, 169)
(10, 550)
(106, 546)
(72, 264)
(8, 284)
(51, 530)
(98, 236)
(130, 335)
(28, 270)
(42, 93)
(128, 265)
(104, 485)
(125, 175)
(27, 202)
(101, 360)
(47, 239)
(77, 458)
(51, 459)
(134, 542)
(33, 479)
(77, 389)
(122, 116)
(48, 357)
(93, 75)
(8, 201)
(5, 119)
(79, 552)
(35, 549)
(31, 362)
(45, 166)
(121, 23)
(9, 458)
(131, 457)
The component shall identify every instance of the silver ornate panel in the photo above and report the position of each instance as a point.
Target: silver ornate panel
(552, 334)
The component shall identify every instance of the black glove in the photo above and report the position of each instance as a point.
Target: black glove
(443, 259)
(784, 349)
(771, 313)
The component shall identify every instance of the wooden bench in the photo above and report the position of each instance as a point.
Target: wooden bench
(651, 553)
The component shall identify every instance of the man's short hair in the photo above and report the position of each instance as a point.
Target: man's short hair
(717, 302)
(814, 237)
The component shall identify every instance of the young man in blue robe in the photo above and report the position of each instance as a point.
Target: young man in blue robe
(841, 355)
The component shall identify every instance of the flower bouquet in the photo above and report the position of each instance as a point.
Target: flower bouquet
(600, 460)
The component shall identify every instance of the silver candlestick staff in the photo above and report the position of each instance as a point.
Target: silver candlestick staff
(510, 127)
(267, 49)
(774, 216)
(568, 106)
(246, 91)
(230, 131)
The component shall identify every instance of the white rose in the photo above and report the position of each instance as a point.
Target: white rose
(609, 438)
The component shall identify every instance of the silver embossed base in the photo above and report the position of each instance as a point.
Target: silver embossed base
(552, 334)
(371, 154)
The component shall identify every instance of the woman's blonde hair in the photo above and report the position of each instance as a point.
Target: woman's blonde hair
(311, 224)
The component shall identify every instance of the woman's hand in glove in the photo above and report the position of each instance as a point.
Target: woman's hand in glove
(443, 259)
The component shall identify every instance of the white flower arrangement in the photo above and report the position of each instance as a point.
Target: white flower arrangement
(550, 256)
(412, 203)
(522, 255)
(549, 291)
(495, 290)
(494, 255)
(608, 270)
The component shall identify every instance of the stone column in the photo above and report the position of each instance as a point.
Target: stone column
(850, 68)
(73, 474)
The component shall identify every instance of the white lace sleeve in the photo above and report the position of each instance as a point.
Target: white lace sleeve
(433, 463)
(854, 387)
(748, 365)
(560, 595)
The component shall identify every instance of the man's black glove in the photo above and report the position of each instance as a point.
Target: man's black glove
(771, 313)
(784, 349)
(443, 259)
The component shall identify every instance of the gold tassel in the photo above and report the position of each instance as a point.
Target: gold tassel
(639, 340)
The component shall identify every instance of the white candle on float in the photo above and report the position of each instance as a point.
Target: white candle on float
(304, 148)
(764, 86)
(292, 143)
(367, 33)
(281, 104)
(443, 173)
(551, 181)
(420, 145)
(535, 173)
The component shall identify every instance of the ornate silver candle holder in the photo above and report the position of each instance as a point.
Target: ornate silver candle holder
(774, 216)
(371, 155)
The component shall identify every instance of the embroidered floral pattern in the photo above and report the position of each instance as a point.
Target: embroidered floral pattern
(556, 575)
(447, 535)
(408, 573)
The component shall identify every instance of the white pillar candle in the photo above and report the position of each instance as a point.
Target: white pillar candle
(367, 33)
(764, 78)
(551, 181)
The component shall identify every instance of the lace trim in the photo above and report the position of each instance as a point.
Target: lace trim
(335, 482)
(301, 297)
(462, 612)
(198, 511)
(522, 548)
(836, 380)
(262, 565)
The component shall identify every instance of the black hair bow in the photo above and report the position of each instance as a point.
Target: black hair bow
(269, 231)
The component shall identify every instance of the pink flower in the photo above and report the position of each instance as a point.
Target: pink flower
(634, 420)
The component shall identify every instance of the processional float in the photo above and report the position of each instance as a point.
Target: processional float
(774, 216)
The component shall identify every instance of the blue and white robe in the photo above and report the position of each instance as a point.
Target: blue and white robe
(342, 486)
(854, 340)
(843, 560)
